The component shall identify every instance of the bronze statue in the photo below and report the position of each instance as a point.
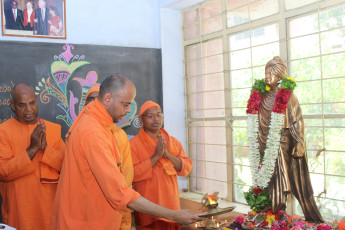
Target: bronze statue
(291, 173)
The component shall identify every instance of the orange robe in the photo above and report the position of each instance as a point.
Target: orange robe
(91, 189)
(27, 186)
(158, 183)
(126, 168)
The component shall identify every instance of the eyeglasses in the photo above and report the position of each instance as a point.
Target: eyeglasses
(151, 115)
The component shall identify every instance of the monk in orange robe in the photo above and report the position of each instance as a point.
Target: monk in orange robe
(157, 159)
(91, 189)
(126, 168)
(31, 155)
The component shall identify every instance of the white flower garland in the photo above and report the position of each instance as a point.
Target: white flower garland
(262, 174)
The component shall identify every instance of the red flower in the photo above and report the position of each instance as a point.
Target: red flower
(281, 101)
(257, 191)
(254, 102)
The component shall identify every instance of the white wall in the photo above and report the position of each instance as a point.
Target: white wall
(125, 23)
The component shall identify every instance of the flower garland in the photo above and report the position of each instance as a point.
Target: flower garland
(262, 173)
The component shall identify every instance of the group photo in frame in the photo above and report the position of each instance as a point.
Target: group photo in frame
(33, 18)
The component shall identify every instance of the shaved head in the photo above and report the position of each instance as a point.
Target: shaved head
(20, 89)
(24, 103)
(116, 94)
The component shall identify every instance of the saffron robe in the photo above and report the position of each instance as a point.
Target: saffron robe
(158, 183)
(28, 186)
(126, 168)
(91, 189)
(291, 174)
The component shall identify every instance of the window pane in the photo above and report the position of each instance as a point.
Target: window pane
(212, 47)
(215, 135)
(212, 24)
(335, 163)
(239, 112)
(231, 4)
(332, 18)
(304, 46)
(213, 82)
(190, 17)
(241, 155)
(241, 78)
(308, 92)
(240, 136)
(240, 97)
(237, 16)
(214, 113)
(212, 64)
(258, 72)
(312, 122)
(214, 100)
(335, 122)
(194, 84)
(240, 59)
(216, 171)
(335, 192)
(334, 90)
(316, 164)
(333, 65)
(238, 192)
(265, 35)
(196, 133)
(191, 31)
(292, 4)
(197, 151)
(304, 25)
(193, 67)
(335, 108)
(196, 113)
(263, 53)
(242, 174)
(333, 41)
(210, 9)
(239, 41)
(263, 8)
(317, 181)
(306, 69)
(314, 138)
(195, 100)
(334, 138)
(216, 153)
(311, 109)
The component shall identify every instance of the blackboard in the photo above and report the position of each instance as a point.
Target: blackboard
(62, 73)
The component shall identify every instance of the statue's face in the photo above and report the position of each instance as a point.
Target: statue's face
(271, 79)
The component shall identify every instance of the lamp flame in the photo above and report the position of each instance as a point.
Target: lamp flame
(212, 199)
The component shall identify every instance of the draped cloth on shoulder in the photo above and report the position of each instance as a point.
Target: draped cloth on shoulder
(291, 173)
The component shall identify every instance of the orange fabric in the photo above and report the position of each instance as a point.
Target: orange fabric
(146, 106)
(27, 186)
(126, 168)
(91, 90)
(156, 183)
(91, 188)
(159, 225)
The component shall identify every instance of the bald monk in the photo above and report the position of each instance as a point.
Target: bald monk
(157, 159)
(126, 167)
(31, 155)
(91, 189)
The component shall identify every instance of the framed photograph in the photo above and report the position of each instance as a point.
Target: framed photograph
(34, 18)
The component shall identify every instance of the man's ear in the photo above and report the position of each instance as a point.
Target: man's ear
(107, 99)
(12, 106)
(141, 119)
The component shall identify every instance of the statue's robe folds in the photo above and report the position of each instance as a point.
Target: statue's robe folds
(291, 172)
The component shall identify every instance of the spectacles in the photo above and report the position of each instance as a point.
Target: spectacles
(151, 115)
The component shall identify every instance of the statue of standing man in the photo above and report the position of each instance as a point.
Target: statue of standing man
(278, 162)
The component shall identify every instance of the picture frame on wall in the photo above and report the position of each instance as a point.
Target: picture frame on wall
(34, 18)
